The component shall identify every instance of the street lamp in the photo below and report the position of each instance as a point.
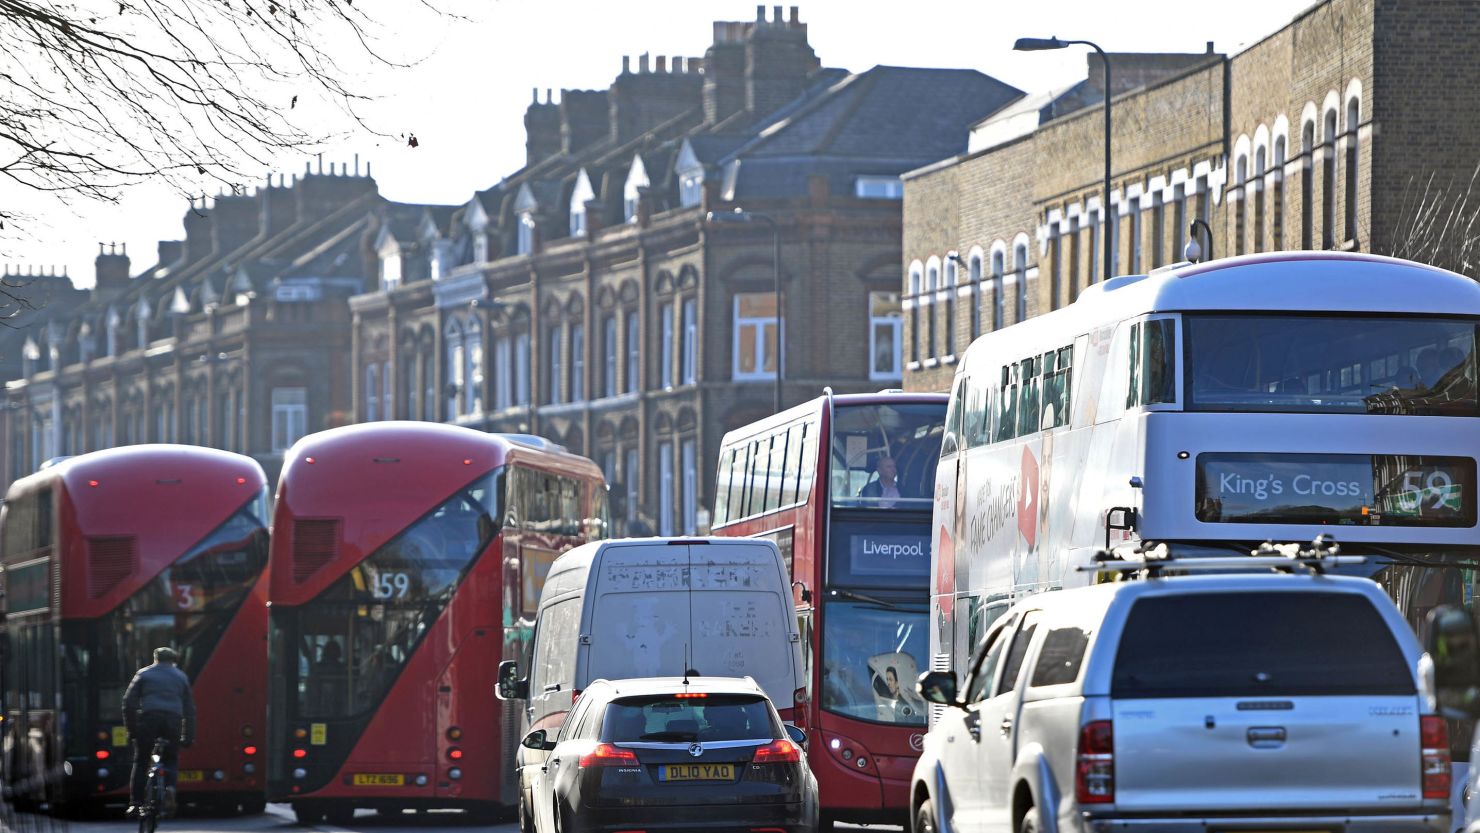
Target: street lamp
(742, 216)
(1040, 44)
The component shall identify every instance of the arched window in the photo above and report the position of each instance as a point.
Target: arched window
(915, 301)
(1020, 268)
(1240, 222)
(453, 346)
(1259, 165)
(1328, 182)
(975, 276)
(932, 283)
(999, 268)
(473, 372)
(1353, 122)
(948, 294)
(1307, 185)
(1277, 235)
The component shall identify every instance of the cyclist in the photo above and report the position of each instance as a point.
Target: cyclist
(158, 705)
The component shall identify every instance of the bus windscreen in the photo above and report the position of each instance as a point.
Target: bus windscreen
(884, 455)
(1422, 366)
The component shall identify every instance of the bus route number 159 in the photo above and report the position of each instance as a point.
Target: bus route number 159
(392, 585)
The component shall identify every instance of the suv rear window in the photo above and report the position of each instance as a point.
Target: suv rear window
(706, 717)
(1257, 644)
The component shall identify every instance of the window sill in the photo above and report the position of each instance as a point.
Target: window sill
(951, 359)
(741, 377)
(1350, 246)
(914, 365)
(932, 362)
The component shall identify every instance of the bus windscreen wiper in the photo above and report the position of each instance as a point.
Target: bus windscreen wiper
(860, 597)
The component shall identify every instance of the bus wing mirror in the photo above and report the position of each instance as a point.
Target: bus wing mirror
(938, 687)
(1453, 646)
(1123, 518)
(510, 686)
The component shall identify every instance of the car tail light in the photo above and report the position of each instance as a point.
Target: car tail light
(1434, 733)
(575, 694)
(690, 695)
(1094, 775)
(604, 754)
(778, 752)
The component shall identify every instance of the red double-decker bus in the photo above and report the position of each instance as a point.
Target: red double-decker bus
(107, 556)
(843, 485)
(407, 561)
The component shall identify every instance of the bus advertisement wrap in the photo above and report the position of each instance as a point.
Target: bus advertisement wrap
(1344, 489)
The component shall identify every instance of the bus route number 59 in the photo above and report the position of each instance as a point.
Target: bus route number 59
(1418, 485)
(392, 585)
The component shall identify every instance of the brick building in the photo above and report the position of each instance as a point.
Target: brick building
(237, 338)
(1317, 136)
(589, 299)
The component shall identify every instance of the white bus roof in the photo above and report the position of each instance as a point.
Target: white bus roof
(1321, 282)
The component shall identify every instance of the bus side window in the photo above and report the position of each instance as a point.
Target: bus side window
(1007, 404)
(953, 439)
(1159, 380)
(809, 460)
(722, 480)
(1028, 404)
(1133, 380)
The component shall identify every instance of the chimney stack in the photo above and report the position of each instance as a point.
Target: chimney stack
(541, 130)
(111, 267)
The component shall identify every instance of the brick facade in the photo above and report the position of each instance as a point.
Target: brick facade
(1227, 139)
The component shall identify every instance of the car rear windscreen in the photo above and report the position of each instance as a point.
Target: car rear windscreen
(686, 719)
(1257, 644)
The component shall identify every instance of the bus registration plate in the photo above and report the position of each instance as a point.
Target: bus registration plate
(697, 772)
(191, 776)
(378, 779)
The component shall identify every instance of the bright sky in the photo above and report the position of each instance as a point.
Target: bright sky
(465, 101)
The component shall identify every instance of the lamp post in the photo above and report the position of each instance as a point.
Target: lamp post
(1040, 44)
(742, 216)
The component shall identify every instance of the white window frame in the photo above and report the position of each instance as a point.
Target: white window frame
(689, 366)
(896, 324)
(453, 351)
(761, 325)
(289, 417)
(690, 501)
(473, 357)
(690, 187)
(665, 488)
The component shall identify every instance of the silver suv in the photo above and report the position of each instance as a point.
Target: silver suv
(1194, 704)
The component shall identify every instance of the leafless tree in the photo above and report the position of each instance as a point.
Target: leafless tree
(1439, 224)
(97, 95)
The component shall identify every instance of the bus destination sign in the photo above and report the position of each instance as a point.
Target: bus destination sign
(879, 554)
(1339, 489)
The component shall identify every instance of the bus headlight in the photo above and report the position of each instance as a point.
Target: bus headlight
(455, 773)
(300, 773)
(67, 769)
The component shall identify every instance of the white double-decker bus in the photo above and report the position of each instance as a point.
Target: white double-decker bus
(1212, 407)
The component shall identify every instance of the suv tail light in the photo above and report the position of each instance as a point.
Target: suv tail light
(1434, 734)
(604, 754)
(778, 752)
(1094, 773)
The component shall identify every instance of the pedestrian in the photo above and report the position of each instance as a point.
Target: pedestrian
(158, 706)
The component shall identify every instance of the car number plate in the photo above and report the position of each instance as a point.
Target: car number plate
(697, 772)
(191, 776)
(378, 779)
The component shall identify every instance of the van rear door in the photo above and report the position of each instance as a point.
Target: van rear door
(743, 619)
(1288, 700)
(639, 612)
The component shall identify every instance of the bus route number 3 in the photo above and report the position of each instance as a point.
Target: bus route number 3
(392, 585)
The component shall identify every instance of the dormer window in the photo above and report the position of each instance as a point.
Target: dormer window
(390, 271)
(637, 179)
(480, 247)
(579, 196)
(691, 187)
(878, 188)
(525, 243)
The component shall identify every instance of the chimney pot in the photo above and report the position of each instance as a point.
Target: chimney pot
(626, 64)
(1210, 47)
(367, 170)
(642, 62)
(795, 15)
(661, 63)
(776, 14)
(760, 14)
(534, 93)
(100, 247)
(549, 95)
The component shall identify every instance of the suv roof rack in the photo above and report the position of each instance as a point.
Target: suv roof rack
(1150, 559)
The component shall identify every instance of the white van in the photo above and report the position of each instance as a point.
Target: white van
(650, 607)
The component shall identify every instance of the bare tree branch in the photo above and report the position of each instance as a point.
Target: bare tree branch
(99, 95)
(1439, 224)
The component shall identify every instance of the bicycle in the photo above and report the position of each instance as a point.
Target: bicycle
(156, 802)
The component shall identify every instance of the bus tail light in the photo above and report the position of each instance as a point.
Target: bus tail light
(778, 752)
(300, 753)
(1094, 773)
(604, 754)
(455, 754)
(249, 750)
(454, 733)
(1434, 738)
(102, 754)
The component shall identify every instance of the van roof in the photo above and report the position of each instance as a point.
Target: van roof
(665, 685)
(582, 556)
